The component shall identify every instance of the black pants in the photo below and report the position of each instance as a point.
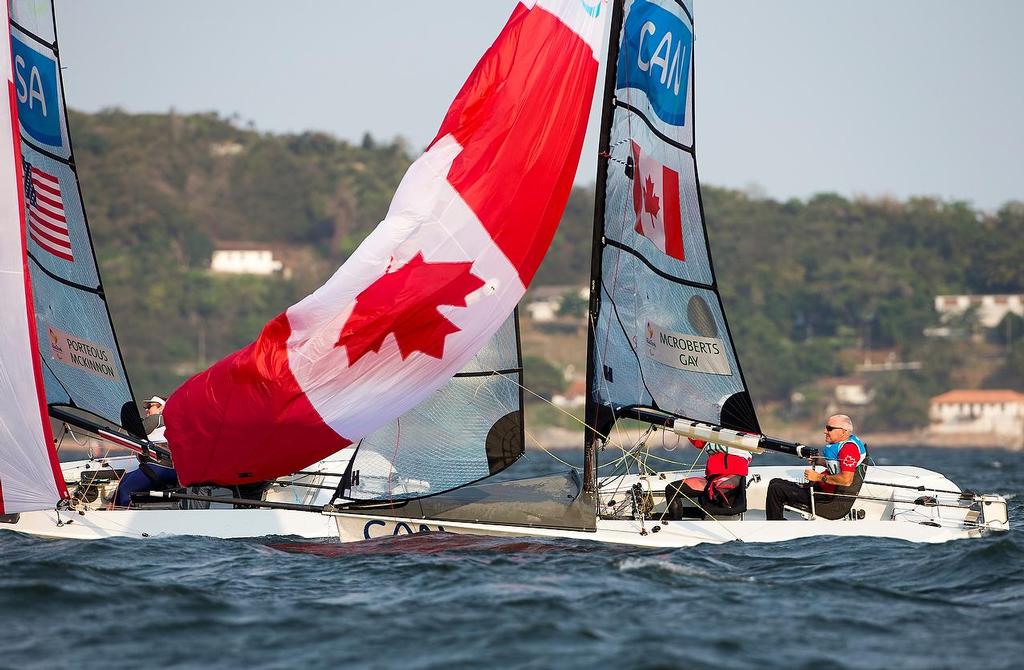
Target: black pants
(785, 492)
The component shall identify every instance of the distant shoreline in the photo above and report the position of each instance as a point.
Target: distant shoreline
(561, 439)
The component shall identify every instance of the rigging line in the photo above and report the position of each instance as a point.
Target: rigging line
(623, 214)
(394, 457)
(606, 344)
(600, 255)
(710, 516)
(622, 461)
(81, 443)
(548, 452)
(630, 455)
(575, 418)
(583, 423)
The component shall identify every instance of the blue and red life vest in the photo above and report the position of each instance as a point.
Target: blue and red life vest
(831, 454)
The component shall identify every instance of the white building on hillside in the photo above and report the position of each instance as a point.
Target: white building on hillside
(544, 302)
(991, 308)
(981, 412)
(245, 261)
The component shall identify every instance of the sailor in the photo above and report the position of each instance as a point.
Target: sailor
(724, 470)
(835, 489)
(150, 475)
(153, 421)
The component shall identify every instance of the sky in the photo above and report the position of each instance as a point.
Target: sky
(794, 97)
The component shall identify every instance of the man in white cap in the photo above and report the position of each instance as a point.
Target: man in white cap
(153, 421)
(149, 475)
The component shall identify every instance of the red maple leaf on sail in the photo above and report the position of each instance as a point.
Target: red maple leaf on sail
(652, 203)
(404, 302)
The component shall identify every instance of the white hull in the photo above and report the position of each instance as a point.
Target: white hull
(93, 521)
(221, 523)
(894, 517)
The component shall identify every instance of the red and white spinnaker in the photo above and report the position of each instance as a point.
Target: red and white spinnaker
(465, 233)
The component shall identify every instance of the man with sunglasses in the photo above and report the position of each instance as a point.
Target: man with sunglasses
(149, 475)
(835, 489)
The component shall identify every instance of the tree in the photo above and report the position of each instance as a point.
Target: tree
(1010, 375)
(899, 404)
(542, 377)
(1009, 331)
(572, 305)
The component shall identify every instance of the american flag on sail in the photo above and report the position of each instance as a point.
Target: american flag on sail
(47, 225)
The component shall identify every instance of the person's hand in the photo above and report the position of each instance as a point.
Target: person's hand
(812, 475)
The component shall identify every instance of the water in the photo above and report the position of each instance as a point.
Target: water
(445, 601)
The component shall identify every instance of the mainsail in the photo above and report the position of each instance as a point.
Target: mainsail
(429, 287)
(82, 367)
(30, 478)
(659, 338)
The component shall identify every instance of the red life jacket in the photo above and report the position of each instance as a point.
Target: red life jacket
(724, 464)
(719, 464)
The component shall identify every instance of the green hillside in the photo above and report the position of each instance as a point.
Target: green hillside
(803, 282)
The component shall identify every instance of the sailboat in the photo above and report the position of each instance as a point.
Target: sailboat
(62, 363)
(403, 372)
(230, 427)
(660, 353)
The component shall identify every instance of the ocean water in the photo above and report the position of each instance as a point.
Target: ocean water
(442, 601)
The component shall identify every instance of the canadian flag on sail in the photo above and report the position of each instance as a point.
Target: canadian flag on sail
(431, 284)
(656, 204)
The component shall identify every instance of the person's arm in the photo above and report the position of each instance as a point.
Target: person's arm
(849, 458)
(844, 478)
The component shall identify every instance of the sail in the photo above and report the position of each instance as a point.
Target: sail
(82, 364)
(30, 477)
(469, 429)
(428, 288)
(660, 338)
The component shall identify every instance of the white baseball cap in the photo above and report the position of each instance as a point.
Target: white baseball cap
(155, 400)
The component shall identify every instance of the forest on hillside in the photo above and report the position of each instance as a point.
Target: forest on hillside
(804, 282)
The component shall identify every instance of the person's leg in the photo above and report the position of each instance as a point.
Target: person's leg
(133, 481)
(137, 480)
(165, 477)
(783, 492)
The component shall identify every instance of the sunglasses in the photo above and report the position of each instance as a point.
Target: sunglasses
(831, 428)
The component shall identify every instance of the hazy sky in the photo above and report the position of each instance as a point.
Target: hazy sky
(899, 97)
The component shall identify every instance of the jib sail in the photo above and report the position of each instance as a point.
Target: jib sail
(468, 430)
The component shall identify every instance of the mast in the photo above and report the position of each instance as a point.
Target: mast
(658, 341)
(593, 430)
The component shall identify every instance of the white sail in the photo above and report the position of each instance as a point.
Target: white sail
(30, 478)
